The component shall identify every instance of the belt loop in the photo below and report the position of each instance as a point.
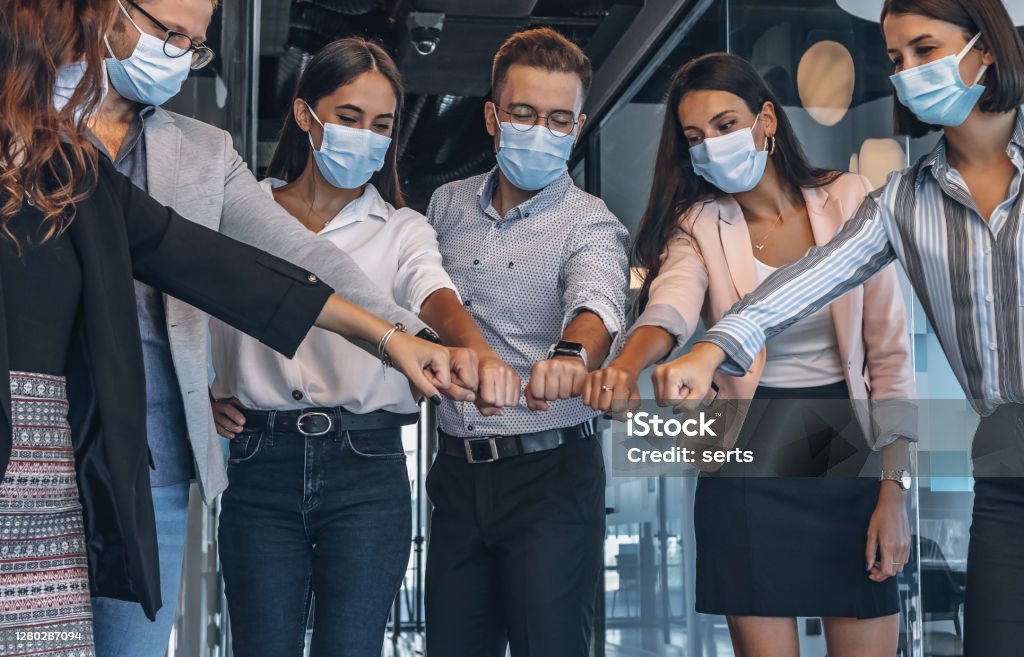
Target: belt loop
(271, 419)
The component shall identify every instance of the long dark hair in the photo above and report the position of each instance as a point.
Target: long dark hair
(1004, 82)
(335, 65)
(676, 187)
(44, 154)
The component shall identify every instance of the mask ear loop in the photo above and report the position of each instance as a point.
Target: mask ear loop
(967, 49)
(309, 133)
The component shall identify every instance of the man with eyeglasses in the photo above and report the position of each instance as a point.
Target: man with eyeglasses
(192, 167)
(514, 557)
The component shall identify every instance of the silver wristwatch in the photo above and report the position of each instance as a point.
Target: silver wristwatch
(901, 477)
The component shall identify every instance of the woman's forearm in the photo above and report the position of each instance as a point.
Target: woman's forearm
(350, 321)
(646, 346)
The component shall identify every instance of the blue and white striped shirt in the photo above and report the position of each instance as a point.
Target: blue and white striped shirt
(967, 274)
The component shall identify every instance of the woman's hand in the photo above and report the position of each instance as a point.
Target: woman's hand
(427, 366)
(888, 545)
(685, 382)
(614, 389)
(227, 416)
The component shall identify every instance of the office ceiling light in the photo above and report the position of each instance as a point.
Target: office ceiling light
(870, 10)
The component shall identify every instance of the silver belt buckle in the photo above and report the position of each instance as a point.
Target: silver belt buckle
(309, 414)
(468, 445)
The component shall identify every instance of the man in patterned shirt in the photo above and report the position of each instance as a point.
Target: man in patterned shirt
(518, 487)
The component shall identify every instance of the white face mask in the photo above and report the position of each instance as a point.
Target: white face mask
(149, 75)
(936, 93)
(68, 79)
(730, 162)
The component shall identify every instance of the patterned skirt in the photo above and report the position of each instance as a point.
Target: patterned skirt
(45, 609)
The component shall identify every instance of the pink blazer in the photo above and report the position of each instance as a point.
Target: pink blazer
(709, 264)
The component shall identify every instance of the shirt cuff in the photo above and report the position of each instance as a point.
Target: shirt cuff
(610, 317)
(740, 339)
(664, 316)
(423, 291)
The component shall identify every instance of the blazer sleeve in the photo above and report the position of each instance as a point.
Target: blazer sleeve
(252, 216)
(677, 293)
(270, 299)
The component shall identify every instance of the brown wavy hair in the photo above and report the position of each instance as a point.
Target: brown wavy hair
(45, 157)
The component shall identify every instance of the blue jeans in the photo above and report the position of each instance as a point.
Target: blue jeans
(326, 517)
(121, 628)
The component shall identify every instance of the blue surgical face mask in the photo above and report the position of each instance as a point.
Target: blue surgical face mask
(730, 162)
(348, 157)
(68, 79)
(532, 159)
(936, 93)
(149, 75)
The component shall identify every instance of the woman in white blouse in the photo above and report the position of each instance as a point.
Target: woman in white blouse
(318, 502)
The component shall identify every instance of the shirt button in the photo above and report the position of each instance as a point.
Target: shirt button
(476, 262)
(468, 303)
(526, 214)
(469, 427)
(510, 265)
(313, 278)
(989, 298)
(993, 346)
(296, 395)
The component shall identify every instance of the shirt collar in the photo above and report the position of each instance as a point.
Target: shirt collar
(135, 132)
(939, 165)
(536, 203)
(369, 204)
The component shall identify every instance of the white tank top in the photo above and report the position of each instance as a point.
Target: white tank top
(804, 355)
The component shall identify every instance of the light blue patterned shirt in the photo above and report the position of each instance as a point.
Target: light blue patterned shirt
(966, 271)
(524, 277)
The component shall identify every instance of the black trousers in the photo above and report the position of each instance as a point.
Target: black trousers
(514, 557)
(994, 609)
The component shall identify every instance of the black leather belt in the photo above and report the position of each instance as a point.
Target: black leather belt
(326, 421)
(485, 449)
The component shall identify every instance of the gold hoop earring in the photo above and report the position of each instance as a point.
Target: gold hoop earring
(771, 149)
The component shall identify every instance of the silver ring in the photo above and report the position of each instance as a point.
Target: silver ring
(605, 389)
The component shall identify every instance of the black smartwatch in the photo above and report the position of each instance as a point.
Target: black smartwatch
(566, 348)
(430, 335)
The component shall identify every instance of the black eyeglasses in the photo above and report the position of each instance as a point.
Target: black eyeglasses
(524, 117)
(177, 44)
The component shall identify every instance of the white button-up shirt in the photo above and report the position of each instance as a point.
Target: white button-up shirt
(398, 250)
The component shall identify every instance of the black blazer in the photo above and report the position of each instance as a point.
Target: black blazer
(120, 233)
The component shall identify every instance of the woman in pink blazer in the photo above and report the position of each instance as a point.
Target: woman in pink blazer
(797, 533)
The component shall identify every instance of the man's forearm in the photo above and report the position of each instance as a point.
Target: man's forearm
(588, 329)
(445, 314)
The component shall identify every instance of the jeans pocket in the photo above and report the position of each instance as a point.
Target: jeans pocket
(244, 446)
(376, 443)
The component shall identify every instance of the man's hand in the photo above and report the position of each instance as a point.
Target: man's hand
(560, 377)
(499, 385)
(685, 382)
(614, 390)
(227, 416)
(465, 375)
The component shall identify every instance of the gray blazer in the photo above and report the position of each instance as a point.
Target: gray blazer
(194, 169)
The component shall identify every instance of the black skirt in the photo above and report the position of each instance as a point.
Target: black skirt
(785, 535)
